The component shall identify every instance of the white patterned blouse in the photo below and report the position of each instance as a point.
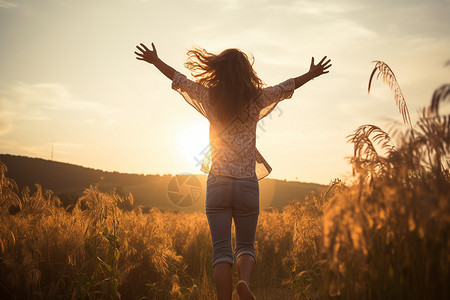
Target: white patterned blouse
(232, 148)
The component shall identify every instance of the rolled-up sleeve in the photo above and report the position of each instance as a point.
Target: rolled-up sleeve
(270, 96)
(194, 93)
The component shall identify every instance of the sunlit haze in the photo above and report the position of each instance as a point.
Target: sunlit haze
(69, 77)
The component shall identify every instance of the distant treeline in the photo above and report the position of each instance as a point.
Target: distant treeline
(68, 181)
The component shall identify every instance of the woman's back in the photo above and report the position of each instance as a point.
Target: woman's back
(233, 144)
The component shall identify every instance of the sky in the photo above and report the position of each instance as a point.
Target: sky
(69, 79)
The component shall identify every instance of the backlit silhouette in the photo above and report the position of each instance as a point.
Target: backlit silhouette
(231, 96)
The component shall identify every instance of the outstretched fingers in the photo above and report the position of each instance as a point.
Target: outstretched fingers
(144, 53)
(139, 56)
(322, 60)
(145, 47)
(140, 49)
(327, 64)
(321, 68)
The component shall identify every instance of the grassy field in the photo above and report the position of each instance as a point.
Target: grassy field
(385, 235)
(99, 250)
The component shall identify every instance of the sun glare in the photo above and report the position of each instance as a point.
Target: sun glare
(193, 142)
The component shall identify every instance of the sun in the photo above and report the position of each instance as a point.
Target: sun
(193, 142)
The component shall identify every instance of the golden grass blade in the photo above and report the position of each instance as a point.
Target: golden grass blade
(440, 94)
(388, 77)
(366, 161)
(366, 136)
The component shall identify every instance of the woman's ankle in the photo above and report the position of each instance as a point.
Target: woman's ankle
(245, 265)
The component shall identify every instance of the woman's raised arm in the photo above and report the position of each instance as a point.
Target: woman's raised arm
(151, 56)
(314, 71)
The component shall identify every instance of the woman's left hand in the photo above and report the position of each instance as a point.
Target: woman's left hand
(150, 56)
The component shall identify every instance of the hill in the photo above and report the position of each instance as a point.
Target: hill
(166, 192)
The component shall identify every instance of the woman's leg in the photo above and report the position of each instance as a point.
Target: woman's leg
(245, 253)
(224, 281)
(245, 266)
(220, 228)
(245, 215)
(245, 239)
(219, 214)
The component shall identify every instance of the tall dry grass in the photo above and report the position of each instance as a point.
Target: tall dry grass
(97, 250)
(386, 236)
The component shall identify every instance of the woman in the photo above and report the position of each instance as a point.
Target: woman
(232, 97)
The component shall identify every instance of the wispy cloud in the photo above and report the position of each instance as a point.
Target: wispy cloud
(315, 8)
(7, 4)
(33, 117)
(36, 102)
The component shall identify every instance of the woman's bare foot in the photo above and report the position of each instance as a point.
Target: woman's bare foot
(244, 291)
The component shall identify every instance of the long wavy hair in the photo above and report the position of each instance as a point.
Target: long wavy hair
(230, 76)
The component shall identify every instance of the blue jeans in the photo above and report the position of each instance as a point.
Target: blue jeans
(230, 198)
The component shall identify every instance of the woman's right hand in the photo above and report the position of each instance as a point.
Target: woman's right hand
(147, 54)
(320, 68)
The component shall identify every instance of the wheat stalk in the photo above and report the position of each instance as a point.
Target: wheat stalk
(364, 143)
(388, 77)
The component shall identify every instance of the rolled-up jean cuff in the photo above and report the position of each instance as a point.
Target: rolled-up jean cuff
(222, 260)
(252, 254)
